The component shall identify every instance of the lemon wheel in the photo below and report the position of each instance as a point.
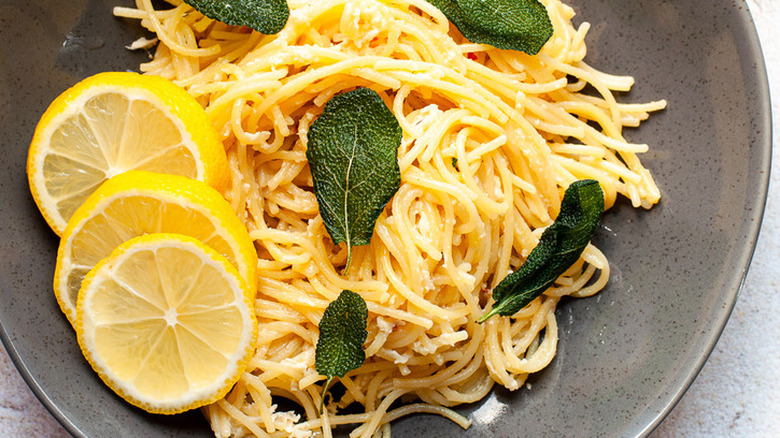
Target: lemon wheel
(136, 203)
(113, 122)
(166, 322)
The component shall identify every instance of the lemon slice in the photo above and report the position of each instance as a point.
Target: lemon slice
(136, 203)
(113, 122)
(166, 322)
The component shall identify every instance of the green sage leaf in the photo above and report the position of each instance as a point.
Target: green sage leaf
(559, 247)
(507, 24)
(353, 156)
(265, 16)
(343, 331)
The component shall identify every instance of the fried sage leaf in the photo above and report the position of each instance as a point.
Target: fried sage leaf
(264, 16)
(559, 247)
(353, 155)
(507, 24)
(343, 331)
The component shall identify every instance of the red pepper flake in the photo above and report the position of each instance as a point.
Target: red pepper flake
(472, 56)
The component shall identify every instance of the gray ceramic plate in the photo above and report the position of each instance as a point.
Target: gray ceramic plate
(624, 357)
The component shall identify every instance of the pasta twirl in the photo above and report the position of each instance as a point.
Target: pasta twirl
(490, 140)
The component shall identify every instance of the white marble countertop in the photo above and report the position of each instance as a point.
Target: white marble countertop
(737, 393)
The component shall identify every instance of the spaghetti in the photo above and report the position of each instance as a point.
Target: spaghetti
(490, 140)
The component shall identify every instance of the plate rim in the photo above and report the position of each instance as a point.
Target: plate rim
(737, 284)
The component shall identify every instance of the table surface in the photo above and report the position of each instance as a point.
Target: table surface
(737, 393)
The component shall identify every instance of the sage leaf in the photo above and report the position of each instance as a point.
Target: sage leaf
(522, 25)
(343, 331)
(265, 16)
(353, 155)
(559, 247)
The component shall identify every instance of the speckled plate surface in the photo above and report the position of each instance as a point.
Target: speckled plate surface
(625, 356)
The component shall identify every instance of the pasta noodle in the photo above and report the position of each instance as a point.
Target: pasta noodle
(491, 138)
